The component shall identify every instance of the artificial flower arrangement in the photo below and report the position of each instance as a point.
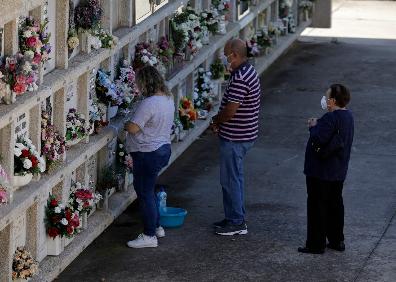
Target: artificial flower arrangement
(107, 91)
(203, 91)
(263, 39)
(88, 19)
(82, 199)
(223, 6)
(124, 160)
(60, 220)
(210, 20)
(77, 127)
(23, 264)
(96, 116)
(217, 69)
(186, 31)
(34, 40)
(165, 51)
(125, 84)
(305, 5)
(52, 143)
(187, 113)
(27, 159)
(144, 55)
(252, 47)
(19, 74)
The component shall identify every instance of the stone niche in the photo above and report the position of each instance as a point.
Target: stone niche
(142, 10)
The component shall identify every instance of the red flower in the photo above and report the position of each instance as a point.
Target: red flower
(34, 161)
(186, 104)
(55, 219)
(31, 41)
(53, 232)
(25, 153)
(19, 88)
(70, 230)
(54, 203)
(68, 214)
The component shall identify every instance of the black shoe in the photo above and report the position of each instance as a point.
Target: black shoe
(231, 229)
(220, 224)
(337, 247)
(306, 250)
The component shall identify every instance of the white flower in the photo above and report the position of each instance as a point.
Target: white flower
(35, 87)
(204, 15)
(58, 210)
(121, 154)
(79, 201)
(154, 59)
(20, 146)
(199, 44)
(29, 54)
(80, 207)
(78, 185)
(195, 96)
(17, 152)
(221, 6)
(144, 51)
(145, 59)
(27, 34)
(42, 167)
(121, 146)
(62, 206)
(64, 221)
(27, 164)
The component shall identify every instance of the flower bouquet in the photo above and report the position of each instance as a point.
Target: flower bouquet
(203, 91)
(19, 74)
(88, 14)
(217, 69)
(76, 127)
(60, 221)
(34, 41)
(252, 47)
(165, 53)
(106, 39)
(82, 200)
(125, 84)
(52, 143)
(222, 6)
(123, 158)
(208, 19)
(27, 162)
(23, 265)
(108, 93)
(106, 186)
(96, 117)
(187, 113)
(144, 55)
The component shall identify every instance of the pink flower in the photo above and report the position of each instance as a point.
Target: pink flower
(37, 58)
(31, 41)
(30, 79)
(19, 88)
(21, 79)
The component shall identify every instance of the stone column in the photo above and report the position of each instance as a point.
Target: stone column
(7, 143)
(126, 13)
(60, 111)
(11, 38)
(62, 27)
(35, 125)
(322, 14)
(6, 254)
(32, 229)
(83, 97)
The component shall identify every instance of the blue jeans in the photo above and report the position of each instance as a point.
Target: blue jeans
(231, 179)
(146, 166)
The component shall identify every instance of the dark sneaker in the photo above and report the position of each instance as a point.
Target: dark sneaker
(338, 247)
(306, 250)
(231, 229)
(220, 223)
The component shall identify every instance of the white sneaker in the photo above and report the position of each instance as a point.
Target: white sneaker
(143, 241)
(160, 232)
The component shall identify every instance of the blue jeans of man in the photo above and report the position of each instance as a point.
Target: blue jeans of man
(146, 166)
(231, 179)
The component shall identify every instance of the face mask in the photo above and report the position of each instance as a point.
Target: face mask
(323, 103)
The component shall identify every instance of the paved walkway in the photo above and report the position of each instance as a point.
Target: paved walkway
(275, 192)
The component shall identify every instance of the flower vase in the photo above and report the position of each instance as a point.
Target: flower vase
(85, 41)
(111, 111)
(66, 241)
(205, 37)
(54, 246)
(21, 180)
(10, 96)
(222, 27)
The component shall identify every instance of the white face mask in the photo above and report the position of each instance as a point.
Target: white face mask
(323, 103)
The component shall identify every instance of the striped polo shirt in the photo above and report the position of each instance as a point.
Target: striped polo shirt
(243, 88)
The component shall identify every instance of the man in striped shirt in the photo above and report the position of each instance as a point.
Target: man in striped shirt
(237, 127)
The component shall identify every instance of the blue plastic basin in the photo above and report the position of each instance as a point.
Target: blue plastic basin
(172, 217)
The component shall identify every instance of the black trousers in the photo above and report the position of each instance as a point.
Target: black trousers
(325, 213)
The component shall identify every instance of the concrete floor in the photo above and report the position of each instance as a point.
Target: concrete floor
(275, 186)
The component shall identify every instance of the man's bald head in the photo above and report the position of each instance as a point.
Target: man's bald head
(236, 46)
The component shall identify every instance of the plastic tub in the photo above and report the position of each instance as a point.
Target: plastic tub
(172, 217)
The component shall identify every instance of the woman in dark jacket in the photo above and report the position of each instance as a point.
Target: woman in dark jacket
(326, 164)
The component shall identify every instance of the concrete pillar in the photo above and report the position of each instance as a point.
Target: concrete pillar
(11, 38)
(60, 111)
(62, 27)
(126, 13)
(7, 143)
(32, 230)
(107, 15)
(322, 14)
(6, 254)
(35, 126)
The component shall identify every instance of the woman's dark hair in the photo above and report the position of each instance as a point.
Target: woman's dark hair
(340, 94)
(150, 82)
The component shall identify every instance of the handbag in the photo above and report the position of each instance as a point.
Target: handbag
(332, 148)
